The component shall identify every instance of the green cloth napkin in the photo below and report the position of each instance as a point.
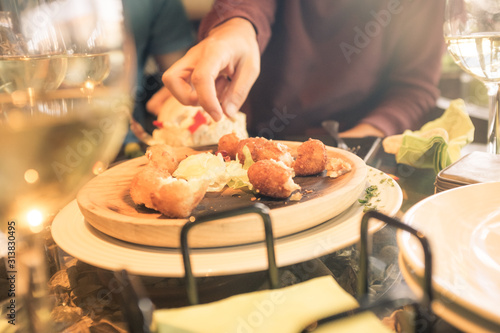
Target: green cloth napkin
(288, 309)
(438, 143)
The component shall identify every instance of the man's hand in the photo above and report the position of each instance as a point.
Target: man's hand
(218, 72)
(362, 130)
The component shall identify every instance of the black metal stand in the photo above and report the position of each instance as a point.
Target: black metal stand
(136, 306)
(257, 208)
(139, 320)
(423, 308)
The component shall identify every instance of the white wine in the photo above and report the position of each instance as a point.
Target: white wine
(477, 54)
(35, 73)
(63, 118)
(86, 70)
(47, 156)
(48, 150)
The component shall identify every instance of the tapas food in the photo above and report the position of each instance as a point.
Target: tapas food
(107, 205)
(155, 188)
(266, 167)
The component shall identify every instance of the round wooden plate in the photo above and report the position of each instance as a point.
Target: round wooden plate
(106, 204)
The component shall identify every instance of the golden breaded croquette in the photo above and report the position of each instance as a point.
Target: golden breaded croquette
(229, 143)
(311, 158)
(145, 182)
(263, 149)
(272, 150)
(253, 145)
(176, 198)
(273, 179)
(160, 157)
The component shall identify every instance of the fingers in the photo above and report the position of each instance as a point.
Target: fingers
(239, 88)
(247, 70)
(191, 80)
(230, 50)
(177, 80)
(221, 85)
(207, 80)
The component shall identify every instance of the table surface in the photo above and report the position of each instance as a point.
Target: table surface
(80, 287)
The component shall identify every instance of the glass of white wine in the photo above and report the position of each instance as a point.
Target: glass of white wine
(472, 34)
(66, 73)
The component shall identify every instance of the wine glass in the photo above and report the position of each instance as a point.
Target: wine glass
(66, 75)
(472, 34)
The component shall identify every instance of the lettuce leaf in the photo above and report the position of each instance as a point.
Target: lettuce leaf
(214, 169)
(238, 175)
(206, 166)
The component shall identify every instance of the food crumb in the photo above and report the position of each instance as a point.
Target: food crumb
(296, 196)
(192, 219)
(253, 199)
(337, 167)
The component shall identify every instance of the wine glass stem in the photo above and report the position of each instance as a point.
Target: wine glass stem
(493, 135)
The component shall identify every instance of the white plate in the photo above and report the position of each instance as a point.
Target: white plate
(463, 227)
(450, 311)
(79, 239)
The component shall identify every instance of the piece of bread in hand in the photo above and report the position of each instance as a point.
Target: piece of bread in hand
(190, 126)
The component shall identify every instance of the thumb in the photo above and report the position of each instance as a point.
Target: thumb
(237, 92)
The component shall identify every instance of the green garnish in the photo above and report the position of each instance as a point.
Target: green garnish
(370, 192)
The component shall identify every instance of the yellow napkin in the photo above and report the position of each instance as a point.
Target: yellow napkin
(288, 309)
(438, 143)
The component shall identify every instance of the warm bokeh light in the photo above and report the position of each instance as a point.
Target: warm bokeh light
(88, 87)
(31, 176)
(35, 220)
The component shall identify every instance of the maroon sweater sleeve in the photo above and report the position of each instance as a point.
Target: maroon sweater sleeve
(259, 12)
(416, 65)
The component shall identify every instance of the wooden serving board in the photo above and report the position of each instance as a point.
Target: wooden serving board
(106, 204)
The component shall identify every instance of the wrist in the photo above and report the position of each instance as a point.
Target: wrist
(238, 24)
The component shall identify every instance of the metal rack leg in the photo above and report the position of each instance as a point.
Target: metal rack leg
(257, 208)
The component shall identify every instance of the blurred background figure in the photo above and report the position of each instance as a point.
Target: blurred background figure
(372, 65)
(162, 34)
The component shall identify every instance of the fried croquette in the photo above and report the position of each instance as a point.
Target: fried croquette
(263, 149)
(336, 167)
(272, 150)
(273, 179)
(253, 145)
(145, 182)
(311, 158)
(160, 157)
(176, 198)
(229, 143)
(154, 187)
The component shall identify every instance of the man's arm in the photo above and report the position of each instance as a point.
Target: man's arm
(416, 68)
(261, 13)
